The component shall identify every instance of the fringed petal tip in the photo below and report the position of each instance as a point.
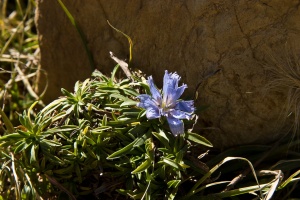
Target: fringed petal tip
(186, 106)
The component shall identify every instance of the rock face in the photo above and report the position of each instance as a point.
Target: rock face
(195, 38)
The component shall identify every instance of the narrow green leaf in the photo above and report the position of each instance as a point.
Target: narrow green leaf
(173, 183)
(43, 163)
(45, 123)
(198, 139)
(75, 148)
(35, 129)
(32, 155)
(97, 73)
(51, 156)
(171, 163)
(121, 121)
(128, 102)
(7, 122)
(67, 93)
(162, 137)
(89, 140)
(100, 129)
(85, 85)
(29, 111)
(165, 150)
(131, 92)
(142, 113)
(76, 87)
(108, 89)
(125, 82)
(24, 145)
(22, 119)
(64, 128)
(78, 173)
(113, 74)
(90, 152)
(50, 143)
(104, 120)
(23, 133)
(140, 141)
(142, 167)
(5, 144)
(62, 135)
(123, 151)
(51, 106)
(11, 136)
(64, 170)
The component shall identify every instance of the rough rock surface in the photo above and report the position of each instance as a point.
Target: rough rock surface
(194, 38)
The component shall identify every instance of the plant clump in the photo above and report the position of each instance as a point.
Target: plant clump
(94, 141)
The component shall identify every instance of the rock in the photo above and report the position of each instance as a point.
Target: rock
(194, 38)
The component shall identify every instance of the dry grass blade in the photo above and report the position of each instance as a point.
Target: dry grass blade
(285, 76)
(274, 183)
(290, 179)
(26, 82)
(122, 64)
(19, 57)
(239, 191)
(17, 184)
(10, 39)
(247, 171)
(128, 38)
(61, 187)
(194, 189)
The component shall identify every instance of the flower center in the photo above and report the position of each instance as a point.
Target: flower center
(165, 108)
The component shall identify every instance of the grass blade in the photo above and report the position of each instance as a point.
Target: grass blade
(7, 122)
(82, 36)
(194, 189)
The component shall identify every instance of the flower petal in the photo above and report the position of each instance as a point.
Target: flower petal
(175, 79)
(144, 100)
(148, 103)
(154, 91)
(171, 91)
(179, 91)
(152, 113)
(178, 114)
(176, 125)
(186, 106)
(170, 81)
(143, 97)
(166, 83)
(173, 95)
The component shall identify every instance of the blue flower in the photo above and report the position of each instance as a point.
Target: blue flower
(168, 104)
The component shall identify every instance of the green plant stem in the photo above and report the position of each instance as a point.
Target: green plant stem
(82, 36)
